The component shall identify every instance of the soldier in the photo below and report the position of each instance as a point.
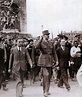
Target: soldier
(45, 61)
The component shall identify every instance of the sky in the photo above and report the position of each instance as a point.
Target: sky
(54, 15)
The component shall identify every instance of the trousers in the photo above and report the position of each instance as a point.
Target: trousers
(46, 78)
(19, 76)
(63, 77)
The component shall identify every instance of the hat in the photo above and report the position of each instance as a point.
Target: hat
(66, 38)
(60, 36)
(56, 39)
(20, 39)
(45, 32)
(30, 40)
(78, 35)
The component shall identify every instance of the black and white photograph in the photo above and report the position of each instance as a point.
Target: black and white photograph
(40, 48)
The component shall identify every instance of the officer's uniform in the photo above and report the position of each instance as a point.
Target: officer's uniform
(45, 60)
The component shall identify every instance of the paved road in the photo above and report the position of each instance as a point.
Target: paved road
(35, 90)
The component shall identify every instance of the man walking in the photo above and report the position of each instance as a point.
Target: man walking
(3, 58)
(45, 60)
(75, 53)
(63, 58)
(18, 60)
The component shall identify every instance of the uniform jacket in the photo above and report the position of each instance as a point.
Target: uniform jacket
(63, 57)
(18, 59)
(47, 53)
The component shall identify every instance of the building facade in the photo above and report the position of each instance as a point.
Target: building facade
(73, 35)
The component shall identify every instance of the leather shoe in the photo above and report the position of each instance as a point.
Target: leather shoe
(24, 86)
(21, 95)
(73, 79)
(41, 84)
(48, 93)
(5, 89)
(60, 86)
(45, 95)
(68, 89)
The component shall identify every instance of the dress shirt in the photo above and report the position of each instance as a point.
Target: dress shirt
(74, 51)
(19, 48)
(63, 48)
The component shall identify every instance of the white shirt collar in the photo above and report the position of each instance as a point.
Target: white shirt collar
(19, 48)
(62, 47)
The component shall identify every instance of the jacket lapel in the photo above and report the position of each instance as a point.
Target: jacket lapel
(62, 49)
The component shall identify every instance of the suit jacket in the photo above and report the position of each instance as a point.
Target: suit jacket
(63, 57)
(31, 51)
(18, 59)
(47, 53)
(79, 76)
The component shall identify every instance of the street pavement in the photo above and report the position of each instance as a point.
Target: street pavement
(35, 90)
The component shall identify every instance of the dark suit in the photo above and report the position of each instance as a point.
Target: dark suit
(34, 54)
(8, 47)
(63, 57)
(45, 61)
(2, 66)
(18, 61)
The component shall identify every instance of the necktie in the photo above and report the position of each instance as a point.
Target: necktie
(19, 49)
(63, 49)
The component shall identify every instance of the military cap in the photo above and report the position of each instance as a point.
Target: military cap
(45, 32)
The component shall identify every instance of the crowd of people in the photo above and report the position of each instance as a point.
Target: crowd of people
(46, 58)
(58, 58)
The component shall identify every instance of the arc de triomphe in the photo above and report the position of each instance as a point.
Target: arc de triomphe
(22, 15)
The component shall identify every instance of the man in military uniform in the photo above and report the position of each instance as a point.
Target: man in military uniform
(46, 58)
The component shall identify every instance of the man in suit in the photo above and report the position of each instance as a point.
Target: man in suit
(79, 79)
(79, 76)
(18, 60)
(3, 59)
(63, 58)
(46, 58)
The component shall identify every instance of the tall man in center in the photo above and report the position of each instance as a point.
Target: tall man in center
(46, 59)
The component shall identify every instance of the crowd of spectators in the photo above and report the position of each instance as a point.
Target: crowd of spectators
(74, 62)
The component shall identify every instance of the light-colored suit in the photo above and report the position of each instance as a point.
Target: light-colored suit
(79, 76)
(18, 61)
